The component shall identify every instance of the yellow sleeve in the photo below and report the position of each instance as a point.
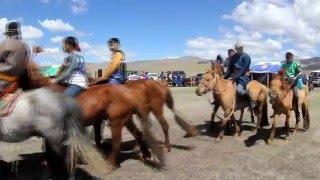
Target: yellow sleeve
(113, 65)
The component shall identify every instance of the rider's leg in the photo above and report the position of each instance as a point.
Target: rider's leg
(73, 90)
(241, 90)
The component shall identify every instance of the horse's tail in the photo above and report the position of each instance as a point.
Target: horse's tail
(151, 140)
(80, 145)
(191, 130)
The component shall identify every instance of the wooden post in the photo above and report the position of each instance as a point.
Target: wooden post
(99, 72)
(268, 78)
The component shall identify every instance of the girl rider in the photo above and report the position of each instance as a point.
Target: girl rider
(73, 72)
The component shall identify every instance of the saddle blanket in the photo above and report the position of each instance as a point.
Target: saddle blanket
(8, 102)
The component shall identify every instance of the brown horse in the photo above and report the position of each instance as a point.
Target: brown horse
(115, 103)
(281, 98)
(153, 96)
(226, 96)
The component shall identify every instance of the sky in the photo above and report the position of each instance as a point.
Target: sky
(157, 29)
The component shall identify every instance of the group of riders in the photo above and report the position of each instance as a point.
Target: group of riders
(15, 54)
(238, 70)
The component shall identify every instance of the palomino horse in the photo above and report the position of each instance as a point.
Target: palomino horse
(225, 94)
(281, 98)
(56, 118)
(217, 68)
(115, 103)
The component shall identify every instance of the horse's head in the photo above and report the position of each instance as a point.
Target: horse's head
(278, 88)
(207, 83)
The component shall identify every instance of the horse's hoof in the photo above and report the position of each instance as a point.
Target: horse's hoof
(269, 142)
(191, 133)
(286, 138)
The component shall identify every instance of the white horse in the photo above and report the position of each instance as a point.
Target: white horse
(56, 118)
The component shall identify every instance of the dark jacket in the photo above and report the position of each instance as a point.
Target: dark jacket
(14, 55)
(238, 66)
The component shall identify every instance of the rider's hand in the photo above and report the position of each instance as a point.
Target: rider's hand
(53, 81)
(231, 79)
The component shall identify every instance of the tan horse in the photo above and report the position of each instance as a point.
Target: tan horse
(281, 98)
(218, 69)
(225, 94)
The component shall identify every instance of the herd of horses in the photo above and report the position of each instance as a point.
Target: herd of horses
(280, 95)
(61, 122)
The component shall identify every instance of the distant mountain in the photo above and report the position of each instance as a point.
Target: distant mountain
(311, 64)
(191, 65)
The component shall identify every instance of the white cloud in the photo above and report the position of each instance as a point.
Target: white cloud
(30, 32)
(295, 20)
(56, 39)
(79, 6)
(268, 29)
(85, 45)
(257, 47)
(56, 25)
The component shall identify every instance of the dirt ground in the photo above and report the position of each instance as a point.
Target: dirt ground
(202, 157)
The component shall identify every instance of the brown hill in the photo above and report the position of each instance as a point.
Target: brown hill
(191, 65)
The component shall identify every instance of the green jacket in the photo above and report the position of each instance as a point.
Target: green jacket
(291, 69)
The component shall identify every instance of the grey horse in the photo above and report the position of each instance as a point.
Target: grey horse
(55, 118)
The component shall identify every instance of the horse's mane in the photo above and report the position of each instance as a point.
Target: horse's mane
(284, 83)
(35, 78)
(217, 68)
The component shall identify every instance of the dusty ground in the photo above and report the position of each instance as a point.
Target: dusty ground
(234, 158)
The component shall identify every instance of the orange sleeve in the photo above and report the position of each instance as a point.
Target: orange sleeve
(113, 65)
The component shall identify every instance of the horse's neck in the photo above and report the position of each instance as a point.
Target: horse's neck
(221, 84)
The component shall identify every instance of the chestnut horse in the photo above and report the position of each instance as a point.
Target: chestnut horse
(115, 103)
(153, 96)
(281, 99)
(225, 94)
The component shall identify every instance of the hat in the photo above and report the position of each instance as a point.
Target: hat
(12, 28)
(238, 45)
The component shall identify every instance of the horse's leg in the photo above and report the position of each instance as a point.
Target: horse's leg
(241, 116)
(297, 112)
(139, 138)
(214, 112)
(238, 130)
(223, 123)
(97, 133)
(259, 116)
(55, 161)
(306, 118)
(273, 130)
(164, 125)
(116, 131)
(252, 115)
(287, 125)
